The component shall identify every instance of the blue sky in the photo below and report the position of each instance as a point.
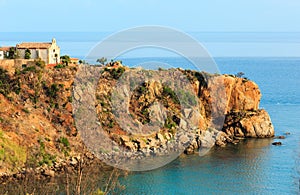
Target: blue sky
(115, 15)
(217, 16)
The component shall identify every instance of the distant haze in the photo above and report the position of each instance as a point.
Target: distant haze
(218, 44)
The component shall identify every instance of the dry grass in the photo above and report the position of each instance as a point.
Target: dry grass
(12, 155)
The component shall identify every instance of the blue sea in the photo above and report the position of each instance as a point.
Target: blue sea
(254, 166)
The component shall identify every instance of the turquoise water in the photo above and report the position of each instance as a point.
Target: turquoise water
(253, 166)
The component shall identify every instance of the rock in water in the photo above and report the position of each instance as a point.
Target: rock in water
(277, 143)
(249, 124)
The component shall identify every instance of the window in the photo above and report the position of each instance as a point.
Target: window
(53, 50)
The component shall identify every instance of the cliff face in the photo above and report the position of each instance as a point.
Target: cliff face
(227, 110)
(243, 116)
(36, 123)
(36, 120)
(238, 101)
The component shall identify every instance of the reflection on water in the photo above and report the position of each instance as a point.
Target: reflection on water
(247, 167)
(253, 166)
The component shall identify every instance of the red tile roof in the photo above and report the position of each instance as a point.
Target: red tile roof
(5, 48)
(34, 45)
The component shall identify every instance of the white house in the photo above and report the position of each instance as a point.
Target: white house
(4, 52)
(48, 52)
(1, 55)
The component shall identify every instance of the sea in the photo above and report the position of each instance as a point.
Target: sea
(254, 166)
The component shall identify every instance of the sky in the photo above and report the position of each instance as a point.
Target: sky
(115, 15)
(226, 17)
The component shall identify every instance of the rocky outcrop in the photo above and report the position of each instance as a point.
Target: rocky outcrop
(37, 112)
(257, 124)
(249, 124)
(242, 94)
(243, 116)
(227, 110)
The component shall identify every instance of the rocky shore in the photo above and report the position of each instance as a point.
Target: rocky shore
(39, 111)
(218, 109)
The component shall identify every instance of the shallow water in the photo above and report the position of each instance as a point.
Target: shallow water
(253, 166)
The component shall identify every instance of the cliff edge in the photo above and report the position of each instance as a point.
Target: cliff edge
(37, 126)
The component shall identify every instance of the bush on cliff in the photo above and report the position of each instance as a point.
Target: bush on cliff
(8, 85)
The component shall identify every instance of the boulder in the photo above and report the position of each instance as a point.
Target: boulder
(125, 138)
(277, 143)
(280, 137)
(207, 140)
(221, 139)
(129, 145)
(161, 138)
(255, 124)
(183, 139)
(141, 143)
(49, 173)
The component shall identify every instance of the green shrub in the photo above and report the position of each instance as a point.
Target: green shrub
(8, 85)
(70, 99)
(25, 110)
(12, 155)
(65, 145)
(45, 158)
(169, 123)
(52, 91)
(64, 141)
(187, 98)
(167, 91)
(111, 124)
(40, 63)
(60, 66)
(98, 192)
(142, 89)
(117, 72)
(28, 69)
(240, 74)
(27, 54)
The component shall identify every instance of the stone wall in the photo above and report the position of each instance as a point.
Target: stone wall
(11, 64)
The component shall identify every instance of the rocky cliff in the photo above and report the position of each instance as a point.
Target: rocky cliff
(37, 126)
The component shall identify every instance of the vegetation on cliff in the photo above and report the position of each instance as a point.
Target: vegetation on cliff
(37, 126)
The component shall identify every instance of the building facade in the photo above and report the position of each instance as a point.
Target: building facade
(4, 52)
(74, 61)
(1, 55)
(48, 52)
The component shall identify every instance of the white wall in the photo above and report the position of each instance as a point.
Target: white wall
(1, 55)
(47, 55)
(35, 54)
(54, 49)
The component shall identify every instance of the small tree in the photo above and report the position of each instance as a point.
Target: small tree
(11, 53)
(40, 63)
(27, 54)
(65, 59)
(240, 75)
(102, 60)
